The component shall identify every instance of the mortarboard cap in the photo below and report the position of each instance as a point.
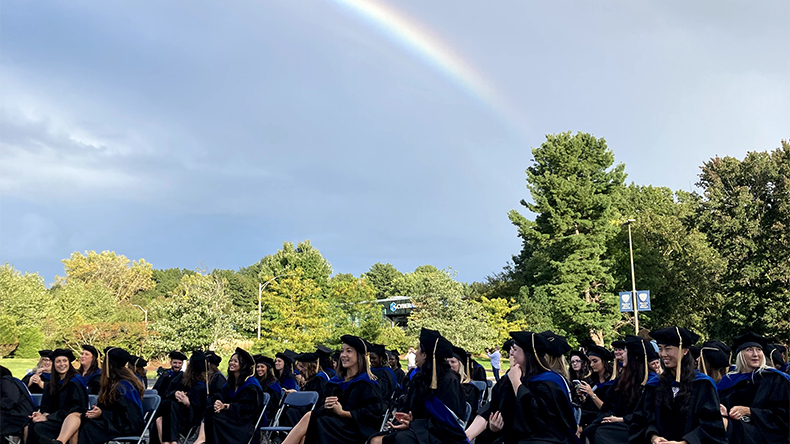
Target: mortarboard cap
(62, 352)
(749, 340)
(175, 354)
(558, 345)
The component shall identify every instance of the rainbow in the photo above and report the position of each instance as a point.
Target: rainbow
(420, 42)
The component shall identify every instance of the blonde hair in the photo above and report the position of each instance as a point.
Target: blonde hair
(558, 364)
(462, 372)
(741, 366)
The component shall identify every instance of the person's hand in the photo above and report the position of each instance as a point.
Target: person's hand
(36, 379)
(739, 412)
(95, 412)
(38, 417)
(658, 440)
(610, 419)
(300, 379)
(495, 422)
(333, 405)
(182, 398)
(404, 419)
(289, 391)
(586, 389)
(218, 405)
(515, 376)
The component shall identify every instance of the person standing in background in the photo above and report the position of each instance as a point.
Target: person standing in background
(411, 359)
(495, 357)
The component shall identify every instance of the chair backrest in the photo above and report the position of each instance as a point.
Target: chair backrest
(150, 402)
(468, 413)
(266, 399)
(151, 392)
(301, 399)
(36, 399)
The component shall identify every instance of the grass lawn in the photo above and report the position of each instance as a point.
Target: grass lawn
(484, 361)
(19, 367)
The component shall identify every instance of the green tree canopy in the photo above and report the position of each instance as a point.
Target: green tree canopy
(288, 259)
(382, 277)
(122, 277)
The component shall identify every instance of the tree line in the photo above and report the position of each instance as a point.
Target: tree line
(716, 260)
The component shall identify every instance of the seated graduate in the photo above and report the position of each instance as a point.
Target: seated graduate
(774, 356)
(684, 407)
(177, 416)
(232, 416)
(352, 411)
(756, 397)
(90, 369)
(309, 368)
(494, 421)
(16, 405)
(325, 359)
(714, 359)
(612, 424)
(65, 396)
(543, 410)
(459, 363)
(618, 348)
(655, 366)
(36, 379)
(169, 380)
(283, 370)
(595, 386)
(579, 366)
(138, 366)
(393, 358)
(215, 377)
(269, 384)
(379, 366)
(435, 401)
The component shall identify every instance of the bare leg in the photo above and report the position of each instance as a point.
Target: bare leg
(376, 440)
(159, 428)
(70, 427)
(201, 438)
(299, 431)
(477, 427)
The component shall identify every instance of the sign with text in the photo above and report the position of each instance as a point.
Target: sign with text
(626, 303)
(642, 301)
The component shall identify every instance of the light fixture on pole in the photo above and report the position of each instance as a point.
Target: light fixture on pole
(260, 293)
(144, 311)
(633, 277)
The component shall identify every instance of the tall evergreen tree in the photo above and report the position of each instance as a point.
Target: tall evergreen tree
(574, 189)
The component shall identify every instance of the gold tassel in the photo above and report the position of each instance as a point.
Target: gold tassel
(647, 372)
(367, 362)
(680, 356)
(702, 360)
(206, 362)
(535, 352)
(614, 370)
(434, 381)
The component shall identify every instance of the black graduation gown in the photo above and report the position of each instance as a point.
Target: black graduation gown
(123, 417)
(34, 388)
(218, 380)
(503, 400)
(177, 418)
(237, 424)
(544, 413)
(292, 415)
(472, 396)
(167, 383)
(15, 406)
(275, 392)
(71, 398)
(589, 411)
(767, 394)
(432, 423)
(615, 404)
(386, 382)
(701, 423)
(93, 381)
(358, 396)
(400, 375)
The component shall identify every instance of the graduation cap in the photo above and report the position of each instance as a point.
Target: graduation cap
(531, 342)
(639, 348)
(715, 353)
(287, 357)
(245, 358)
(138, 362)
(357, 343)
(597, 350)
(307, 357)
(620, 343)
(395, 353)
(694, 350)
(581, 355)
(749, 340)
(257, 358)
(117, 356)
(460, 354)
(678, 337)
(269, 362)
(324, 351)
(438, 347)
(213, 358)
(175, 354)
(91, 349)
(508, 345)
(44, 353)
(378, 349)
(558, 345)
(774, 353)
(62, 352)
(198, 361)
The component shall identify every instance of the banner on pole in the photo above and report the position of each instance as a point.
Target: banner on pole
(642, 301)
(625, 301)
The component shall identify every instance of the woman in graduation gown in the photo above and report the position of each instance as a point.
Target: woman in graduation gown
(283, 370)
(757, 392)
(36, 379)
(460, 365)
(394, 361)
(64, 396)
(684, 407)
(269, 384)
(215, 377)
(89, 368)
(232, 416)
(138, 366)
(612, 424)
(594, 388)
(714, 359)
(494, 421)
(309, 368)
(16, 404)
(543, 412)
(352, 411)
(435, 401)
(177, 416)
(325, 360)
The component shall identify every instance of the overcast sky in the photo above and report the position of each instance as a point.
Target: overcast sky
(207, 133)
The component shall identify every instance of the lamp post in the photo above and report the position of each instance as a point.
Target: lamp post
(145, 312)
(260, 292)
(633, 277)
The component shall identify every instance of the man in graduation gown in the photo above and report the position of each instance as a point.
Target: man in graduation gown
(168, 381)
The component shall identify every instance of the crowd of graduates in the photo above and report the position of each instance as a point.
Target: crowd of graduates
(657, 388)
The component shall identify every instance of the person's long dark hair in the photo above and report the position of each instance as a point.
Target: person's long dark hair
(93, 367)
(286, 373)
(111, 376)
(629, 382)
(191, 377)
(269, 377)
(362, 365)
(582, 374)
(54, 387)
(245, 371)
(664, 396)
(607, 374)
(325, 361)
(532, 366)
